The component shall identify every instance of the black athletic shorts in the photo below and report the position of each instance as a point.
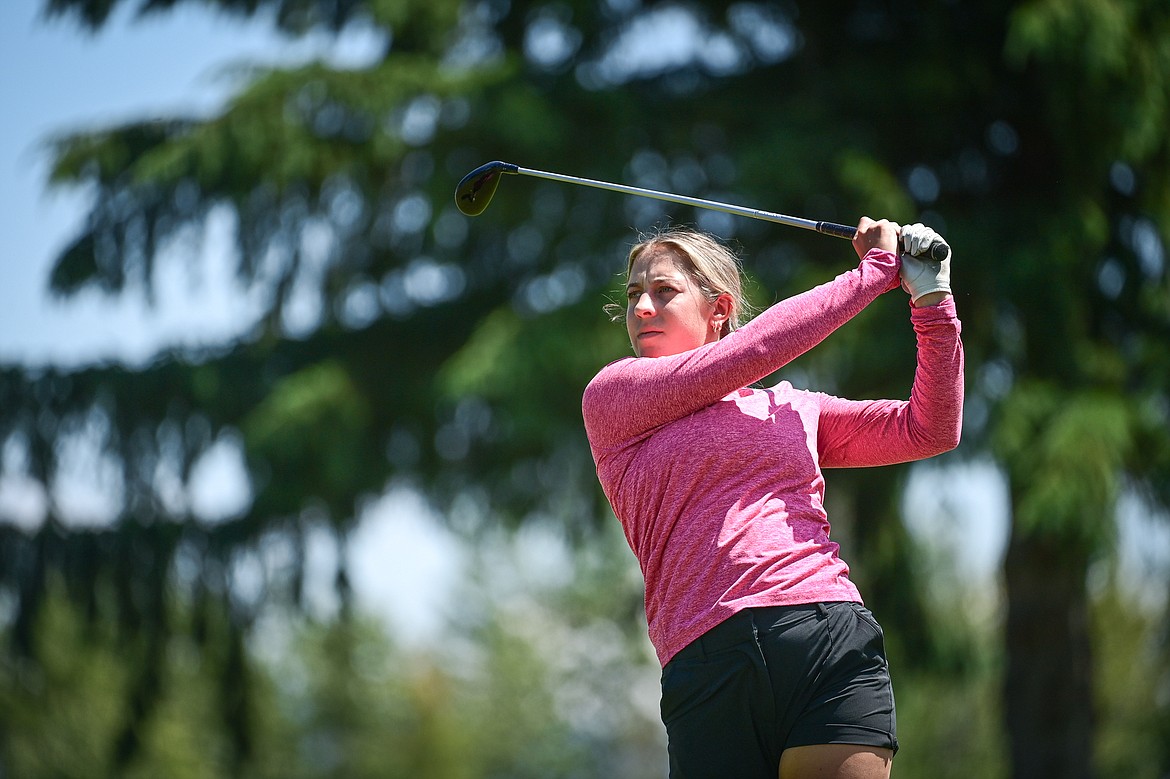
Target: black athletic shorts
(771, 678)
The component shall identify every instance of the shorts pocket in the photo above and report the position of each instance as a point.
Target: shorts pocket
(866, 617)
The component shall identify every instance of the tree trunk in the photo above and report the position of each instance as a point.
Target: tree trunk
(1048, 694)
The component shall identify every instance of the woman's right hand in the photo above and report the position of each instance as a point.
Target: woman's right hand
(882, 234)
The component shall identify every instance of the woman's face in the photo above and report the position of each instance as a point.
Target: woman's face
(666, 312)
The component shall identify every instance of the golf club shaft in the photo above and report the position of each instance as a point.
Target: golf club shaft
(827, 228)
(475, 190)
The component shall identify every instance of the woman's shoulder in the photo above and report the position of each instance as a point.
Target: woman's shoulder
(609, 370)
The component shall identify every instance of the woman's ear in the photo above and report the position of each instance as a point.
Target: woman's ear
(721, 314)
(722, 310)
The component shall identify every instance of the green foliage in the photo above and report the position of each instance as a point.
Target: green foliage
(1115, 63)
(352, 704)
(70, 713)
(450, 353)
(505, 693)
(949, 726)
(1068, 454)
(62, 712)
(308, 425)
(1131, 673)
(873, 183)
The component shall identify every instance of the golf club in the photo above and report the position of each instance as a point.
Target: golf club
(475, 191)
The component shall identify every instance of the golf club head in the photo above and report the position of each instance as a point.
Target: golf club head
(475, 190)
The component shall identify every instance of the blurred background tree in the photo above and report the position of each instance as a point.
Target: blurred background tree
(403, 345)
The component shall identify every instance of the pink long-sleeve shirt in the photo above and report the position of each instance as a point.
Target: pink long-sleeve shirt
(718, 485)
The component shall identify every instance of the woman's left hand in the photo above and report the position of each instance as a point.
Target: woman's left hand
(927, 280)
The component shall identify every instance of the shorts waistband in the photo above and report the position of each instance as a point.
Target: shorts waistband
(744, 626)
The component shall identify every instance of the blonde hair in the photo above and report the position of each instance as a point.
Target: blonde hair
(714, 268)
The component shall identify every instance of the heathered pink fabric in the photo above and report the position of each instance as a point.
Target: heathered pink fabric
(719, 487)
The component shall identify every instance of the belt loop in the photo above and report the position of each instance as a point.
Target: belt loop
(823, 610)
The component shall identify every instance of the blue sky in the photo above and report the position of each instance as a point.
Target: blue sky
(55, 78)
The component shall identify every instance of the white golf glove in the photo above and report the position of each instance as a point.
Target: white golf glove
(920, 274)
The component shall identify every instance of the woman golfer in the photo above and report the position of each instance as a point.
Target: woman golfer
(770, 661)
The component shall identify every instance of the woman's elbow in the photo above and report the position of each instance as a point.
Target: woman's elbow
(944, 440)
(952, 442)
(934, 439)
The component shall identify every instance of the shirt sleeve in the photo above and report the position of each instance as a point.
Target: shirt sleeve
(853, 433)
(633, 396)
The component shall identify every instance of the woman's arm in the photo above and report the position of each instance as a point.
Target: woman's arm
(882, 432)
(635, 395)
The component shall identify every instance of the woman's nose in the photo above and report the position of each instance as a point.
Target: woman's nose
(644, 307)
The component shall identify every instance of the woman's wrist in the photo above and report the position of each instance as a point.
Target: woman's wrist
(930, 299)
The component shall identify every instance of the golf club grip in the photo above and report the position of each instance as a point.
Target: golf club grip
(939, 250)
(838, 230)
